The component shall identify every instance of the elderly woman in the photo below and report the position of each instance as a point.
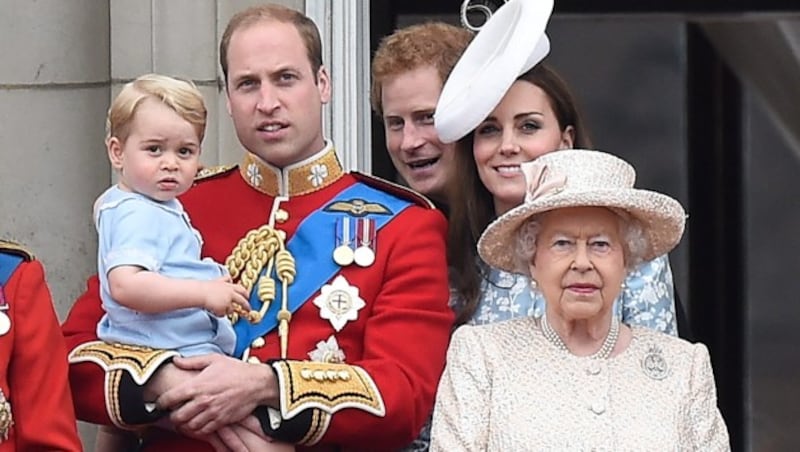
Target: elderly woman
(577, 378)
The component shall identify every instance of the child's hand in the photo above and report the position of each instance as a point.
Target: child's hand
(221, 295)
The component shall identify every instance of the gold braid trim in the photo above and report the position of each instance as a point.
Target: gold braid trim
(253, 252)
(320, 421)
(260, 248)
(328, 387)
(139, 362)
(7, 246)
(211, 171)
(285, 268)
(112, 398)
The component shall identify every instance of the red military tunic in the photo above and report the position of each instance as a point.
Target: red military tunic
(33, 361)
(399, 338)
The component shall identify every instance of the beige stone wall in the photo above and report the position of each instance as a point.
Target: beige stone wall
(60, 63)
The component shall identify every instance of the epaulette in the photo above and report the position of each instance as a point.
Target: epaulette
(395, 189)
(15, 249)
(211, 172)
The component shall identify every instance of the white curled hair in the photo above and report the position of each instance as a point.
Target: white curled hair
(635, 243)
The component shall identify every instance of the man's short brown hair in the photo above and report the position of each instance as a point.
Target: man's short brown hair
(434, 44)
(308, 30)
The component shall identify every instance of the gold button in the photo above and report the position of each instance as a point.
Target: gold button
(281, 216)
(253, 360)
(258, 342)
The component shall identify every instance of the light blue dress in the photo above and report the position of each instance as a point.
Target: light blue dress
(158, 237)
(647, 298)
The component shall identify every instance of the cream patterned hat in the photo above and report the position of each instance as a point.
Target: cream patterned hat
(583, 178)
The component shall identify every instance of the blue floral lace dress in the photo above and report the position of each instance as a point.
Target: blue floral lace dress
(647, 298)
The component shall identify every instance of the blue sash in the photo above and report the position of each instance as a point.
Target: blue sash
(8, 263)
(312, 246)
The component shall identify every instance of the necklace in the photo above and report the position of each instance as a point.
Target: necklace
(605, 350)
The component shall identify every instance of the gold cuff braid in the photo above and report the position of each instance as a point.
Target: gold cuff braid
(326, 386)
(112, 398)
(139, 362)
(320, 420)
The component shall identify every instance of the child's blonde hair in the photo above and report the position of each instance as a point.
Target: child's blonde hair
(182, 96)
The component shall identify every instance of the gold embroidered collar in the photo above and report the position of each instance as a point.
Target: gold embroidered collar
(312, 174)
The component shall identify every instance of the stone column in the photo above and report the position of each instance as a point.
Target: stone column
(53, 95)
(54, 81)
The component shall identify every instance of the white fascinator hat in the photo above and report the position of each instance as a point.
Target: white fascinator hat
(510, 43)
(583, 178)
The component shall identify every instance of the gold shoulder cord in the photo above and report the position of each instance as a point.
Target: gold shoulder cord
(260, 248)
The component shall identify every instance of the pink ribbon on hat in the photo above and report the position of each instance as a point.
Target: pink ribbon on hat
(541, 180)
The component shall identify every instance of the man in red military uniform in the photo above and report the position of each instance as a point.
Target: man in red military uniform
(348, 277)
(35, 404)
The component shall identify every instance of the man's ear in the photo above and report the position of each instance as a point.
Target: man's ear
(324, 85)
(114, 148)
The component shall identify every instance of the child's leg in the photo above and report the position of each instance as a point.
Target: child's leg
(112, 439)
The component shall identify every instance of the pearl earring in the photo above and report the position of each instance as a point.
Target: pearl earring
(533, 284)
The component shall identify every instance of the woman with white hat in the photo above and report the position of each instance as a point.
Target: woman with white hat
(506, 107)
(577, 378)
(537, 115)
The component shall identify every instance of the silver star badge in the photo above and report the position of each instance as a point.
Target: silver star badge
(339, 302)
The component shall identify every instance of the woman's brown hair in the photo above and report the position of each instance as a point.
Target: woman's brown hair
(472, 206)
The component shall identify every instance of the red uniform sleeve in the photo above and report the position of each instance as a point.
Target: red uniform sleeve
(37, 371)
(404, 346)
(86, 379)
(407, 335)
(98, 396)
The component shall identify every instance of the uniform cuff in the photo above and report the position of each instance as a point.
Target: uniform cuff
(329, 387)
(127, 369)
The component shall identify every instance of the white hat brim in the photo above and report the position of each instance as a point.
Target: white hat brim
(662, 217)
(511, 42)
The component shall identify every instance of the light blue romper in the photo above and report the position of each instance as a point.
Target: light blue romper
(157, 236)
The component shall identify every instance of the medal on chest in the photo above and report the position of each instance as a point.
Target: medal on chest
(355, 241)
(364, 254)
(343, 253)
(339, 302)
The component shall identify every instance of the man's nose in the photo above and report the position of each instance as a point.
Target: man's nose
(268, 99)
(412, 138)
